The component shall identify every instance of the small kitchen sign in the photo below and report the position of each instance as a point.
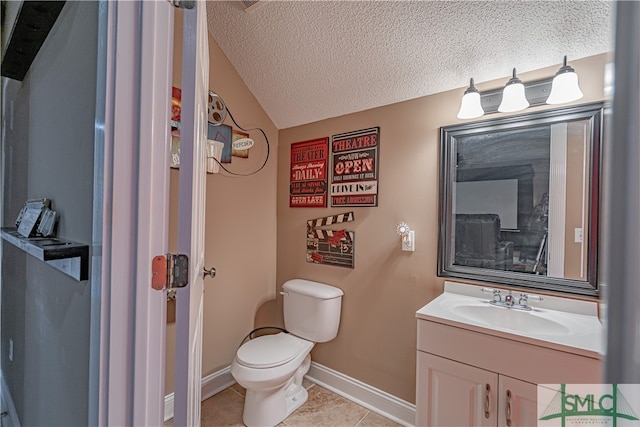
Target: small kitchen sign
(308, 177)
(354, 168)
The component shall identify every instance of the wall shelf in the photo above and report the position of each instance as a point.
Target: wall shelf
(69, 257)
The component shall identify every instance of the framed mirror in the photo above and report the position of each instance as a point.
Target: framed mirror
(519, 200)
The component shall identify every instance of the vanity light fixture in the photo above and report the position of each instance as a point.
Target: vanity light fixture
(470, 108)
(516, 95)
(513, 97)
(565, 87)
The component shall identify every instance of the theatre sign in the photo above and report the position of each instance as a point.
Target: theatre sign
(354, 176)
(308, 178)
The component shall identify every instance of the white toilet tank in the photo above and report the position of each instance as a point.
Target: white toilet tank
(312, 309)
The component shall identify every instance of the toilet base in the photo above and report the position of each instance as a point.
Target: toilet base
(295, 401)
(270, 407)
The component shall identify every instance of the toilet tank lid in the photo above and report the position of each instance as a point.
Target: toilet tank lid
(312, 289)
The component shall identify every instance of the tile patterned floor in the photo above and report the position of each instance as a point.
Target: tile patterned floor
(323, 408)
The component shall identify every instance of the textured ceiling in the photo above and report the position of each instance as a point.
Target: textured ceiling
(310, 60)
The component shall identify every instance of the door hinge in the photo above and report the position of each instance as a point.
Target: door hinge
(183, 4)
(169, 271)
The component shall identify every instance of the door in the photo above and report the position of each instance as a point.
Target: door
(454, 394)
(191, 212)
(517, 405)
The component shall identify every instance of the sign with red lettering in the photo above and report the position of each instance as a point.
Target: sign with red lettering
(354, 168)
(308, 178)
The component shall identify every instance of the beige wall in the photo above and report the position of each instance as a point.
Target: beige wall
(376, 341)
(377, 337)
(577, 209)
(240, 226)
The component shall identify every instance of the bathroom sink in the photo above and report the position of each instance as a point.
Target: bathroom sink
(509, 318)
(557, 321)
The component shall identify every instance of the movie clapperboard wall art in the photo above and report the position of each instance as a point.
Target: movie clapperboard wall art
(330, 247)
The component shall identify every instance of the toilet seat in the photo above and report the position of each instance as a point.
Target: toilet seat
(269, 351)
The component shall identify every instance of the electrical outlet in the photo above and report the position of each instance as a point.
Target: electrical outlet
(10, 350)
(577, 235)
(409, 243)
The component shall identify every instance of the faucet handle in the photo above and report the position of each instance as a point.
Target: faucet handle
(524, 299)
(496, 293)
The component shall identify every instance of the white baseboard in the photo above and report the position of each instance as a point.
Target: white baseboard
(211, 384)
(376, 400)
(11, 419)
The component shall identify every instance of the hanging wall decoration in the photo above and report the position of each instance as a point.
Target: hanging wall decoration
(221, 133)
(330, 247)
(241, 144)
(354, 178)
(308, 177)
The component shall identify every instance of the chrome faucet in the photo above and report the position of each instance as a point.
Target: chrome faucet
(509, 301)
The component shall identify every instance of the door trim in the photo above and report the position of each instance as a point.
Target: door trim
(132, 135)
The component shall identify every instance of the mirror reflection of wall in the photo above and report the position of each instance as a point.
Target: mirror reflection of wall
(495, 175)
(518, 198)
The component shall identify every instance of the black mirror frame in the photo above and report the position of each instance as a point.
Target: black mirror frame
(448, 134)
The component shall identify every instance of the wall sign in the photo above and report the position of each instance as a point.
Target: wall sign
(354, 166)
(330, 247)
(241, 144)
(308, 177)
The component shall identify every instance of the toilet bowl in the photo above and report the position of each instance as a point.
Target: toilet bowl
(271, 367)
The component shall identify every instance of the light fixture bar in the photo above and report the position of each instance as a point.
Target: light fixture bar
(536, 92)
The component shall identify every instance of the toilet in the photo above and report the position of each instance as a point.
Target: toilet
(271, 367)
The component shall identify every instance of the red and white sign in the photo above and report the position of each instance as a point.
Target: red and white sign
(308, 177)
(354, 168)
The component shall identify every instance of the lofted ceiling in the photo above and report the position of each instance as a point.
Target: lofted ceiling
(306, 61)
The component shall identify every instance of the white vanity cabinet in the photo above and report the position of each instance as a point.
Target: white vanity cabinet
(457, 394)
(475, 377)
(516, 402)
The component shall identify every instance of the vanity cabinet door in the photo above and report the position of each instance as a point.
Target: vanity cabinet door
(454, 394)
(517, 403)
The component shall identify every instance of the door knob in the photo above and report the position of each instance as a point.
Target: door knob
(210, 272)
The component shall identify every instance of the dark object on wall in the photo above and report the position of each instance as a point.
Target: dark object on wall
(354, 168)
(478, 242)
(308, 173)
(330, 247)
(34, 21)
(501, 149)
